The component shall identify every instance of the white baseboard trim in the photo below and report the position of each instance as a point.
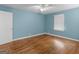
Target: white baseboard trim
(61, 36)
(46, 34)
(28, 36)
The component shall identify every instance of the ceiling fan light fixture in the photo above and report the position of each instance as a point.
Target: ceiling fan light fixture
(42, 7)
(41, 10)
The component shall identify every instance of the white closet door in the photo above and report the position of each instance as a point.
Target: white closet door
(5, 27)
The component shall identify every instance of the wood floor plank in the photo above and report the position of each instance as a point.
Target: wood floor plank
(43, 44)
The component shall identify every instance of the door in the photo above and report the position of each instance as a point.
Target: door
(5, 27)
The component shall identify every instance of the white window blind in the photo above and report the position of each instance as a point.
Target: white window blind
(59, 22)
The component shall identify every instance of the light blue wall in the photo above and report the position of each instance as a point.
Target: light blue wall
(25, 22)
(28, 23)
(71, 23)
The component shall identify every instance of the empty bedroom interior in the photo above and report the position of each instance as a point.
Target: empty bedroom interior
(39, 28)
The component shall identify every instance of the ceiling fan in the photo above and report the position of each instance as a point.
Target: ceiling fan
(43, 7)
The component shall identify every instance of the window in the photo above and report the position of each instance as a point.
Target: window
(59, 22)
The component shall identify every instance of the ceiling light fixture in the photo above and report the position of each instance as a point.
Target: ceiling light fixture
(45, 7)
(42, 7)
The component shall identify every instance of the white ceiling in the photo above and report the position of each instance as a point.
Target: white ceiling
(54, 7)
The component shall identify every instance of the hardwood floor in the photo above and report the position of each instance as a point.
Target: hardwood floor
(43, 44)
